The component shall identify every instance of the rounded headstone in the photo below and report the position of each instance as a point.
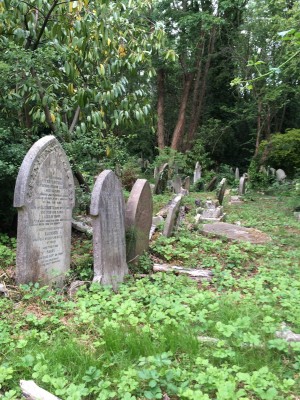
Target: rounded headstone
(44, 196)
(138, 219)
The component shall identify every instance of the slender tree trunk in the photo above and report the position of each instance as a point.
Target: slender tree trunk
(259, 126)
(198, 100)
(179, 128)
(160, 108)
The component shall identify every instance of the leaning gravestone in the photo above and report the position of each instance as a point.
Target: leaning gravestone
(242, 186)
(138, 219)
(44, 196)
(221, 190)
(211, 184)
(197, 172)
(108, 213)
(172, 216)
(161, 180)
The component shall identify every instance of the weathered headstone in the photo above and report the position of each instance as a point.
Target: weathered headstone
(221, 190)
(242, 186)
(272, 171)
(138, 219)
(172, 216)
(263, 170)
(176, 184)
(108, 213)
(156, 172)
(186, 183)
(44, 196)
(280, 175)
(197, 172)
(211, 212)
(162, 180)
(237, 174)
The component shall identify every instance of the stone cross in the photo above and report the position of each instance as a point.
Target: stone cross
(242, 186)
(197, 172)
(138, 219)
(221, 190)
(108, 214)
(44, 196)
(237, 174)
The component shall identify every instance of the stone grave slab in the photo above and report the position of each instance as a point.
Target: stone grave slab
(108, 215)
(235, 232)
(176, 184)
(44, 196)
(138, 219)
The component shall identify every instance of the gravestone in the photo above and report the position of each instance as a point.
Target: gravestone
(186, 183)
(138, 219)
(197, 172)
(176, 184)
(272, 171)
(161, 180)
(237, 174)
(221, 190)
(172, 216)
(211, 184)
(242, 186)
(280, 175)
(156, 172)
(108, 218)
(44, 196)
(211, 212)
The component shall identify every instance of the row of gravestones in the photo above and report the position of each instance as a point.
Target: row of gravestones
(44, 197)
(279, 174)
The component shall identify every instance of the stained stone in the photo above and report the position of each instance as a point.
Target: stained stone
(242, 186)
(161, 180)
(235, 232)
(172, 216)
(221, 190)
(108, 214)
(138, 219)
(197, 172)
(211, 184)
(237, 174)
(176, 184)
(280, 175)
(44, 196)
(186, 183)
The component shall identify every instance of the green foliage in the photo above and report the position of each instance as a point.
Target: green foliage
(283, 151)
(173, 157)
(257, 179)
(7, 251)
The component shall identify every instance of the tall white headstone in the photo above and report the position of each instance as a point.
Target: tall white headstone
(197, 172)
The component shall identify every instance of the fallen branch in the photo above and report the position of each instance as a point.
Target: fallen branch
(31, 391)
(197, 274)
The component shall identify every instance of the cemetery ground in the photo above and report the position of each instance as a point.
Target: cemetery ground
(162, 336)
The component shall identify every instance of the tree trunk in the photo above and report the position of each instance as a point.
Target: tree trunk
(160, 108)
(179, 128)
(259, 126)
(198, 100)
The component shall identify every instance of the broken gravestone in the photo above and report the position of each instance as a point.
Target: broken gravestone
(44, 196)
(138, 219)
(161, 180)
(197, 172)
(221, 190)
(172, 216)
(235, 232)
(211, 212)
(108, 214)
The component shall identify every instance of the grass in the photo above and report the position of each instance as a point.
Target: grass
(143, 341)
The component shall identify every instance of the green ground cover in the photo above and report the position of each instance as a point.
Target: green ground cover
(142, 342)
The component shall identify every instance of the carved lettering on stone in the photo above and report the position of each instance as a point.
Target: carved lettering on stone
(44, 196)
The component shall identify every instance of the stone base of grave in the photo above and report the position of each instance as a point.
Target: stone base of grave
(235, 200)
(196, 274)
(199, 219)
(297, 216)
(235, 232)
